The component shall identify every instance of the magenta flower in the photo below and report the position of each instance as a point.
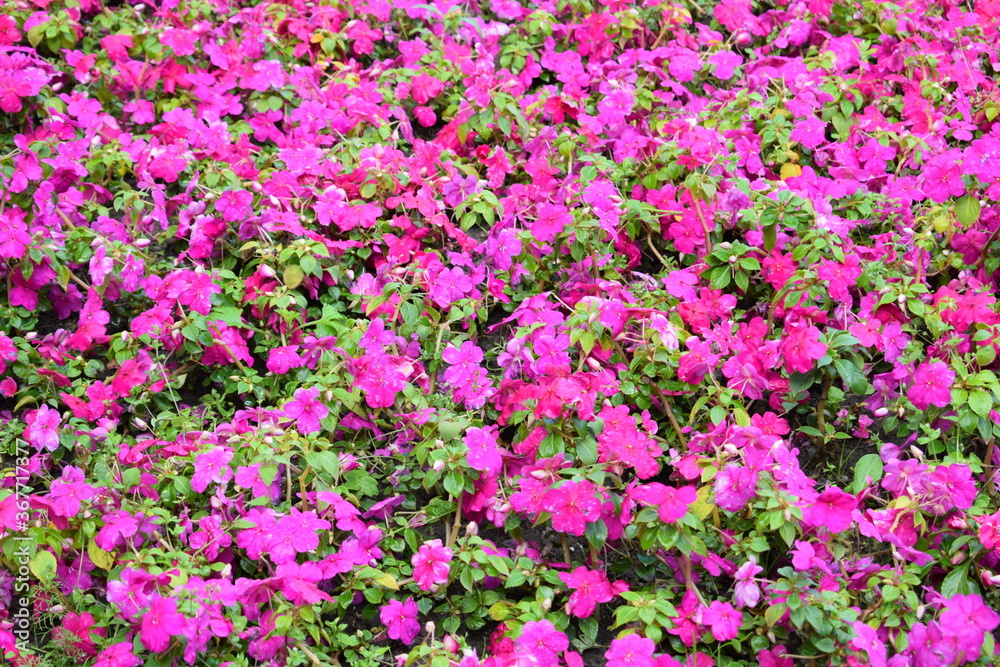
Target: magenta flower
(734, 486)
(212, 466)
(160, 623)
(67, 493)
(484, 454)
(631, 651)
(572, 506)
(672, 503)
(832, 510)
(43, 428)
(543, 641)
(118, 655)
(967, 619)
(307, 410)
(931, 385)
(800, 347)
(400, 620)
(724, 620)
(746, 592)
(234, 205)
(298, 582)
(280, 360)
(430, 564)
(589, 587)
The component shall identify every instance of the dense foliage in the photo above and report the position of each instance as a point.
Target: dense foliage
(477, 333)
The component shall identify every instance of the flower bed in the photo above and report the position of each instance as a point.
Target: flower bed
(476, 333)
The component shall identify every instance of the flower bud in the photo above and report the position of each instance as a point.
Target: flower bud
(472, 529)
(546, 604)
(438, 466)
(142, 243)
(430, 627)
(450, 644)
(881, 412)
(266, 271)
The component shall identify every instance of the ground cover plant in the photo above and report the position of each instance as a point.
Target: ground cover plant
(576, 332)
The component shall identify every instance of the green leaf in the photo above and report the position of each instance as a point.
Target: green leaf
(43, 566)
(967, 210)
(454, 483)
(586, 450)
(773, 614)
(981, 402)
(869, 465)
(293, 276)
(957, 582)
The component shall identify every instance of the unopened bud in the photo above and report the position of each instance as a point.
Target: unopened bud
(957, 558)
(450, 644)
(266, 271)
(539, 474)
(430, 627)
(438, 466)
(546, 604)
(989, 578)
(472, 529)
(881, 412)
(141, 243)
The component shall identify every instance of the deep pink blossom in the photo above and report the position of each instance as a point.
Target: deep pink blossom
(572, 505)
(724, 620)
(307, 410)
(160, 623)
(542, 640)
(831, 510)
(430, 564)
(931, 385)
(632, 650)
(400, 620)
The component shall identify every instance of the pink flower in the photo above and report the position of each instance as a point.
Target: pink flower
(800, 347)
(42, 430)
(589, 587)
(724, 620)
(234, 205)
(430, 564)
(66, 494)
(831, 510)
(867, 642)
(967, 620)
(160, 623)
(931, 385)
(484, 454)
(400, 620)
(989, 530)
(734, 486)
(543, 641)
(552, 219)
(118, 655)
(307, 410)
(671, 503)
(380, 379)
(212, 466)
(298, 582)
(280, 360)
(572, 505)
(631, 651)
(805, 558)
(746, 592)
